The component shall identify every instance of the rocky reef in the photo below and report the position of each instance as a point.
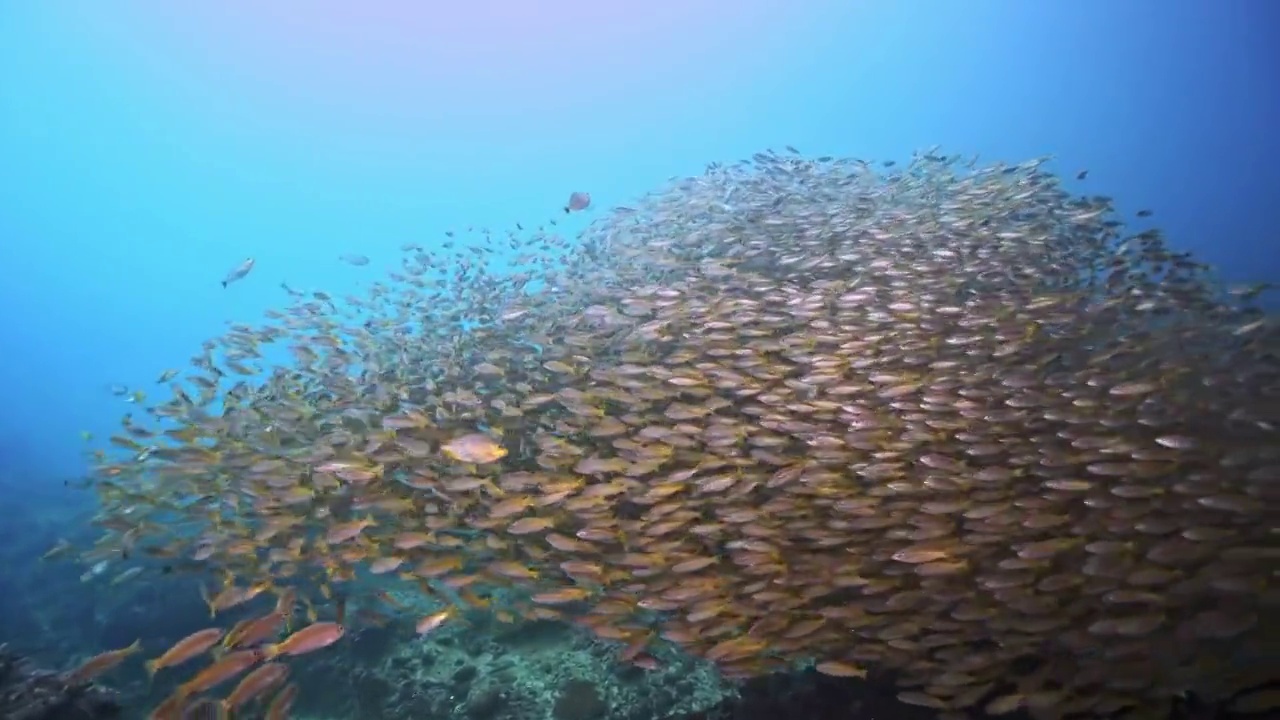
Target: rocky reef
(30, 693)
(479, 669)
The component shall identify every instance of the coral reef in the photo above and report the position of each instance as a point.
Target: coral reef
(484, 670)
(28, 693)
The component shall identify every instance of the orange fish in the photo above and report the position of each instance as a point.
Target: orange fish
(431, 622)
(192, 645)
(343, 532)
(256, 684)
(254, 631)
(222, 670)
(282, 703)
(312, 637)
(474, 448)
(98, 664)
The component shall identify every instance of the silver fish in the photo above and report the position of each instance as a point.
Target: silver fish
(238, 272)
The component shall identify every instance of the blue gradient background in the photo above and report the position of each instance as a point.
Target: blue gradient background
(147, 147)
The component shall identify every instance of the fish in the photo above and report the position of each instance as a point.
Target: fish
(789, 411)
(221, 670)
(260, 681)
(577, 201)
(238, 272)
(474, 448)
(191, 646)
(309, 639)
(357, 260)
(433, 621)
(282, 702)
(101, 663)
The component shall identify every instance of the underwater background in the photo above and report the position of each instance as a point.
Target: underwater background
(147, 149)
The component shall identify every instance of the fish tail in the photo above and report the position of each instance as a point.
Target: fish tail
(204, 595)
(153, 666)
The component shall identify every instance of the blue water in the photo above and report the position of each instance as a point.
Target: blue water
(147, 148)
(145, 153)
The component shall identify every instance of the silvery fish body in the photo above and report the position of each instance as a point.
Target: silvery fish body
(238, 272)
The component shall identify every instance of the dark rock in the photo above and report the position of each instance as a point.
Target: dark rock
(486, 706)
(371, 695)
(465, 675)
(373, 644)
(579, 700)
(31, 694)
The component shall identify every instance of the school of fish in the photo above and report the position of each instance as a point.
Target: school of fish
(945, 422)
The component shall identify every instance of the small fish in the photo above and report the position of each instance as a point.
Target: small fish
(1250, 292)
(836, 668)
(166, 376)
(1144, 213)
(254, 630)
(60, 548)
(281, 703)
(97, 569)
(577, 201)
(185, 649)
(312, 637)
(357, 260)
(474, 448)
(431, 622)
(98, 664)
(261, 681)
(1082, 174)
(238, 272)
(127, 575)
(222, 670)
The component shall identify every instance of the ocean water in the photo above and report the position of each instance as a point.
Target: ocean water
(146, 149)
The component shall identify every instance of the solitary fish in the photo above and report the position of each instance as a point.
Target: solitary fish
(238, 272)
(354, 259)
(578, 201)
